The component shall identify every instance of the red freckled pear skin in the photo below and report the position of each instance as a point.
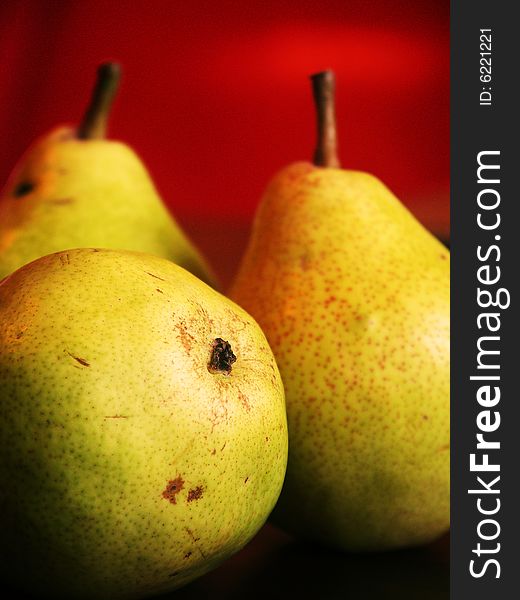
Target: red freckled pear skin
(353, 296)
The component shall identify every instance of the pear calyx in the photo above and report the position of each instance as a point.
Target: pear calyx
(222, 357)
(323, 89)
(94, 123)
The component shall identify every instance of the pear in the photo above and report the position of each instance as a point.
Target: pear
(143, 435)
(353, 296)
(74, 188)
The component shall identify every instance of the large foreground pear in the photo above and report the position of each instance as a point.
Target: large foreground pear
(75, 188)
(353, 296)
(143, 432)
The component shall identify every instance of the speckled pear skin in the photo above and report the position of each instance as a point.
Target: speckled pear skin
(353, 296)
(69, 193)
(127, 468)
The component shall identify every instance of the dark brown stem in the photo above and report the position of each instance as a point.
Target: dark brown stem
(94, 123)
(326, 152)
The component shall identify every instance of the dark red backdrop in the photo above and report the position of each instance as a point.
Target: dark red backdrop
(215, 96)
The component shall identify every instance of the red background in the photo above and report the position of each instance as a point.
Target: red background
(215, 95)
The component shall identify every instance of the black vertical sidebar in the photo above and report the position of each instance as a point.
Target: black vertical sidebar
(485, 345)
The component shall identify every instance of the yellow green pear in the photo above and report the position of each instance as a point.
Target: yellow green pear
(143, 434)
(75, 188)
(353, 296)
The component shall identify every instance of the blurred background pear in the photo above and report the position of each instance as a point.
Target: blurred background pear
(75, 188)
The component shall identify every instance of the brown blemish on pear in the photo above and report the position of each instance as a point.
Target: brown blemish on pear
(195, 493)
(23, 189)
(244, 401)
(60, 201)
(154, 276)
(172, 489)
(186, 339)
(82, 361)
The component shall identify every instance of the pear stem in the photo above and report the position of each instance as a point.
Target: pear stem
(323, 89)
(94, 123)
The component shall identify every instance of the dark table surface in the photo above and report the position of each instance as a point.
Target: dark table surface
(276, 566)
